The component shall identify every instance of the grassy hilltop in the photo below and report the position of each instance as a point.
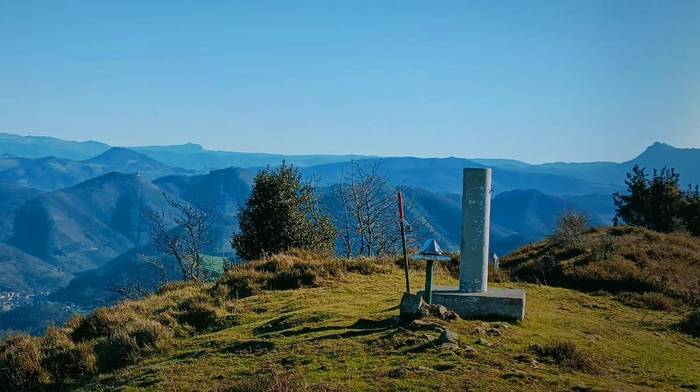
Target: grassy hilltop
(300, 322)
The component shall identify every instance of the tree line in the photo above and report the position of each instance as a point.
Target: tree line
(658, 202)
(284, 212)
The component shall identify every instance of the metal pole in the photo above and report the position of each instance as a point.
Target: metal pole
(403, 241)
(428, 294)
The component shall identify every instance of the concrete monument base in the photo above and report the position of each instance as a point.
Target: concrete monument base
(494, 303)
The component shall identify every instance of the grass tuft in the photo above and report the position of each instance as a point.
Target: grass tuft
(565, 354)
(65, 359)
(292, 271)
(20, 364)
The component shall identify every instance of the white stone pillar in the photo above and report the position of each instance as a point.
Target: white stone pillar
(476, 210)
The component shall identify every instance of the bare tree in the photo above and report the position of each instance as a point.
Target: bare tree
(144, 281)
(368, 222)
(569, 228)
(187, 241)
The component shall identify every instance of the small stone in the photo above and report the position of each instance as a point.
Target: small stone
(424, 312)
(526, 358)
(468, 349)
(448, 337)
(449, 346)
(439, 311)
(516, 374)
(478, 331)
(493, 332)
(483, 342)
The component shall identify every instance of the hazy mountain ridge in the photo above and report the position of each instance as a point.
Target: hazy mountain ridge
(445, 175)
(52, 173)
(43, 146)
(685, 160)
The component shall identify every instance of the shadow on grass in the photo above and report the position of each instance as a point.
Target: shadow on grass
(190, 355)
(284, 324)
(361, 327)
(249, 346)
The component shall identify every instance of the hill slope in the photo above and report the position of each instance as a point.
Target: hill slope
(653, 269)
(21, 272)
(124, 160)
(84, 226)
(340, 332)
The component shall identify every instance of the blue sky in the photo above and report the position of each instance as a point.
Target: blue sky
(537, 81)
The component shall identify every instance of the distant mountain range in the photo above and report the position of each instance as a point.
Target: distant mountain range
(52, 173)
(596, 176)
(190, 156)
(71, 212)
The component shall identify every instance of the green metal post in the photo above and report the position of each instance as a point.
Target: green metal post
(428, 294)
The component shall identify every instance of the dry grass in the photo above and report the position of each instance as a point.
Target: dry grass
(65, 359)
(292, 271)
(565, 354)
(20, 364)
(121, 335)
(616, 260)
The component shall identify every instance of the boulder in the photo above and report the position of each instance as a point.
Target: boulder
(411, 305)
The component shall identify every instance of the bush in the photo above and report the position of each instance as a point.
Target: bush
(282, 214)
(691, 323)
(126, 344)
(119, 349)
(569, 228)
(605, 247)
(291, 271)
(99, 323)
(648, 300)
(64, 359)
(197, 314)
(149, 335)
(20, 364)
(564, 354)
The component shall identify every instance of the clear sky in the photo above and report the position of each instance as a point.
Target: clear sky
(539, 81)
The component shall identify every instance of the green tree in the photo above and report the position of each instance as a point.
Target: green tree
(282, 213)
(690, 210)
(655, 203)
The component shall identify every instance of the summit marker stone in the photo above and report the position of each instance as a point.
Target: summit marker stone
(476, 211)
(473, 298)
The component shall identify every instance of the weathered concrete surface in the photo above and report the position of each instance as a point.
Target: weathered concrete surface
(495, 303)
(476, 210)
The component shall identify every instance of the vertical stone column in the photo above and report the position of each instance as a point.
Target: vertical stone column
(476, 210)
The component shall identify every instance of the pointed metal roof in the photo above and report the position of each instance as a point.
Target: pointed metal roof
(431, 247)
